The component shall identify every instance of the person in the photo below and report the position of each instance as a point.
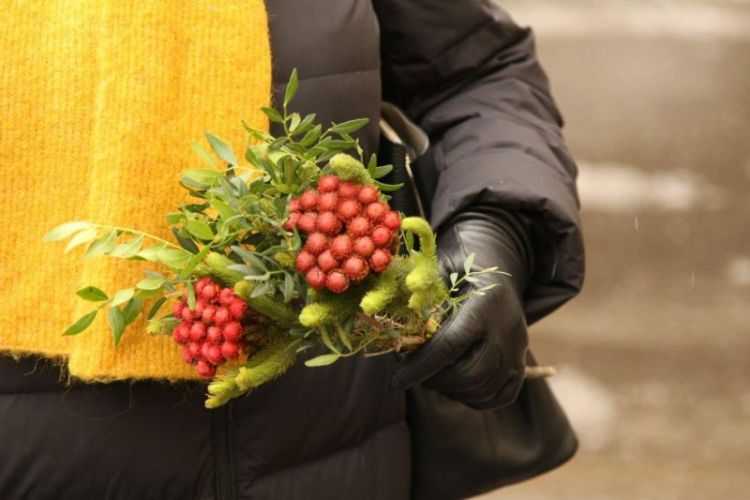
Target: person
(500, 184)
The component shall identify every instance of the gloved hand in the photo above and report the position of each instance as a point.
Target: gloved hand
(479, 356)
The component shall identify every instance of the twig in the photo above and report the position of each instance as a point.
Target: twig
(539, 372)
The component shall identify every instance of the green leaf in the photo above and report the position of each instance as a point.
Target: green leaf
(150, 283)
(323, 360)
(468, 263)
(101, 246)
(381, 172)
(116, 323)
(151, 253)
(326, 338)
(344, 337)
(272, 114)
(294, 123)
(184, 241)
(129, 248)
(200, 229)
(203, 154)
(201, 176)
(83, 237)
(155, 308)
(291, 88)
(131, 310)
(82, 323)
(349, 127)
(92, 294)
(173, 257)
(123, 296)
(288, 288)
(191, 295)
(64, 230)
(148, 294)
(194, 261)
(388, 187)
(221, 149)
(311, 136)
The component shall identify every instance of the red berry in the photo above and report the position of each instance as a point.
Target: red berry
(355, 268)
(292, 221)
(306, 223)
(186, 356)
(205, 369)
(187, 314)
(327, 262)
(348, 189)
(198, 332)
(238, 309)
(222, 316)
(380, 260)
(176, 336)
(214, 336)
(364, 246)
(294, 206)
(328, 223)
(201, 284)
(341, 246)
(181, 333)
(309, 200)
(316, 243)
(381, 236)
(337, 282)
(376, 211)
(305, 261)
(195, 349)
(177, 308)
(226, 296)
(327, 202)
(316, 278)
(204, 349)
(200, 305)
(214, 355)
(230, 350)
(368, 194)
(210, 292)
(232, 331)
(348, 209)
(328, 183)
(358, 226)
(208, 314)
(392, 220)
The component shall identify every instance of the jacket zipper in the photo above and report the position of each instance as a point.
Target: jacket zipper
(222, 453)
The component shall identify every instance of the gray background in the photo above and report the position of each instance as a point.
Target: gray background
(654, 357)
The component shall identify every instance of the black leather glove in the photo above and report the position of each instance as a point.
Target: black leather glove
(479, 356)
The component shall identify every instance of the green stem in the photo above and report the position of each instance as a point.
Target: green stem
(141, 233)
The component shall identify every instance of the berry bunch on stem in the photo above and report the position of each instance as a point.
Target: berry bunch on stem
(350, 233)
(211, 332)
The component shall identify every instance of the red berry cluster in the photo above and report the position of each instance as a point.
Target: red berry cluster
(349, 231)
(212, 332)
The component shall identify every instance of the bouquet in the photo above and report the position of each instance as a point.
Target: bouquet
(295, 247)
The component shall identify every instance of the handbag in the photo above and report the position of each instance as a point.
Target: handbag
(458, 451)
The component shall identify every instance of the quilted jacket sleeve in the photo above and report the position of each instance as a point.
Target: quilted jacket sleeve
(470, 77)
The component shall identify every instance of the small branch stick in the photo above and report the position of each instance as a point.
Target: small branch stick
(537, 372)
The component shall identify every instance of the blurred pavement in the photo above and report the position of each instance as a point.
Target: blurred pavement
(654, 357)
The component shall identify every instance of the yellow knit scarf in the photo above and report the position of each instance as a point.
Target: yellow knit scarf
(99, 101)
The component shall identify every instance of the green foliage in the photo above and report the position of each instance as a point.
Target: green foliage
(233, 231)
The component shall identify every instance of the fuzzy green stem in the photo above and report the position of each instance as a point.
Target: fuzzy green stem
(349, 168)
(282, 314)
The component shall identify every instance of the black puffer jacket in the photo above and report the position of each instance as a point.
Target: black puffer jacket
(469, 76)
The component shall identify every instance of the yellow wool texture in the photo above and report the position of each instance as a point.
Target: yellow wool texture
(99, 101)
